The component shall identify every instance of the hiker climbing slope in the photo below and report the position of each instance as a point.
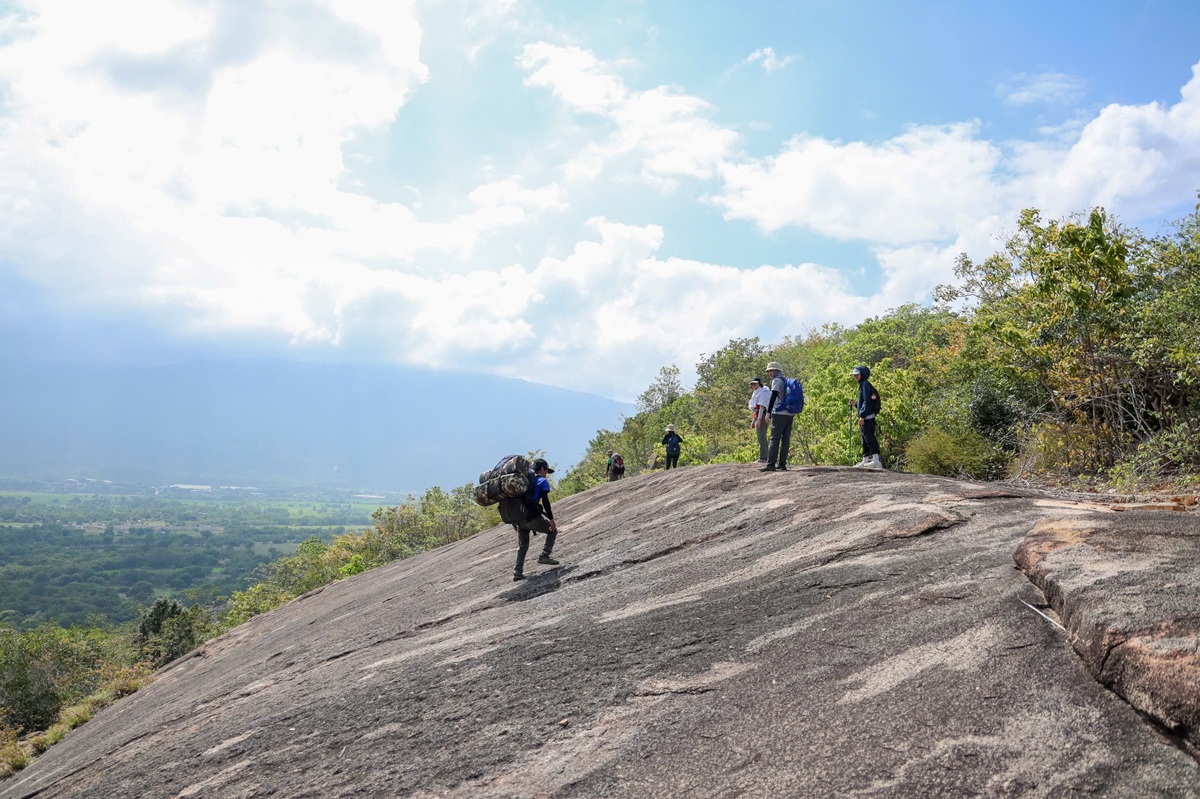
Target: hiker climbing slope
(539, 518)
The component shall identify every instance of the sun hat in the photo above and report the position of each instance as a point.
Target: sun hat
(670, 428)
(774, 366)
(754, 380)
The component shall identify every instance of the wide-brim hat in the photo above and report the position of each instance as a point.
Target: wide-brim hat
(670, 428)
(774, 366)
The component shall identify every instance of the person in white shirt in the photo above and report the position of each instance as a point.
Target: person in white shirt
(760, 397)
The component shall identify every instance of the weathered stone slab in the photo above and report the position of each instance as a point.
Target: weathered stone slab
(712, 632)
(1126, 589)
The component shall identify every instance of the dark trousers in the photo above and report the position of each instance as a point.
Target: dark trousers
(781, 439)
(672, 460)
(869, 441)
(538, 524)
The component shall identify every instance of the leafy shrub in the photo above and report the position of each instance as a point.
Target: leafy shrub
(13, 756)
(1168, 456)
(958, 454)
(168, 631)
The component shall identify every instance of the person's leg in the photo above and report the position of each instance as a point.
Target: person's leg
(761, 430)
(540, 524)
(785, 441)
(870, 441)
(522, 548)
(773, 449)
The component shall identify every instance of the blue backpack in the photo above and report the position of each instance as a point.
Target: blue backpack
(793, 398)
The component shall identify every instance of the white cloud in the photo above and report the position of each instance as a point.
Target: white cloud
(768, 60)
(918, 186)
(665, 129)
(195, 162)
(1142, 158)
(1047, 88)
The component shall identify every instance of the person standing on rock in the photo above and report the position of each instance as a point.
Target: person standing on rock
(674, 444)
(868, 406)
(539, 518)
(760, 404)
(781, 416)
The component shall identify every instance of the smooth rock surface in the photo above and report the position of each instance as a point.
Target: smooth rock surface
(711, 632)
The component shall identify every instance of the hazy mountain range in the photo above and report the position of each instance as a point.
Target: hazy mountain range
(283, 423)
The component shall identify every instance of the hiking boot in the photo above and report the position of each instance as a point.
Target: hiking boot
(781, 468)
(768, 468)
(549, 561)
(761, 461)
(518, 576)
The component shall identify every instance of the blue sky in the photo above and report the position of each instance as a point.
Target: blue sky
(572, 193)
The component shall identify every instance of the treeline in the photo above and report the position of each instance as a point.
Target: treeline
(65, 559)
(80, 509)
(1072, 354)
(65, 575)
(54, 677)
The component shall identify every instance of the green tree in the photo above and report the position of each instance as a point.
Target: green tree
(665, 389)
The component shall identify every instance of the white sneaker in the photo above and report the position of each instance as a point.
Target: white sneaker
(864, 462)
(873, 465)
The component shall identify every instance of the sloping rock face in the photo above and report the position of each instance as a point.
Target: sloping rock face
(1127, 592)
(711, 632)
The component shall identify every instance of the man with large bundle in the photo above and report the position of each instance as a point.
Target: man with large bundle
(538, 518)
(522, 492)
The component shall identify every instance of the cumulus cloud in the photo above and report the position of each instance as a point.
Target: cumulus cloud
(666, 129)
(1133, 156)
(917, 186)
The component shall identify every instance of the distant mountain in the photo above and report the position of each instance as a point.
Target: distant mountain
(283, 423)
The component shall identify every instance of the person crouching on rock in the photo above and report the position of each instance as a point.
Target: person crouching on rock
(539, 518)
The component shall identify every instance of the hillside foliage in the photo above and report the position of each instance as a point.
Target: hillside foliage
(1072, 354)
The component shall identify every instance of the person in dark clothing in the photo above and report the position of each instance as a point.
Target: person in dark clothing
(867, 406)
(674, 444)
(540, 519)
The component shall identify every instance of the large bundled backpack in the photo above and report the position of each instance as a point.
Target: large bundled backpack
(618, 466)
(793, 398)
(511, 477)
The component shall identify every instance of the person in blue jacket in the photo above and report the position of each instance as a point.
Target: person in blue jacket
(867, 406)
(540, 519)
(674, 444)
